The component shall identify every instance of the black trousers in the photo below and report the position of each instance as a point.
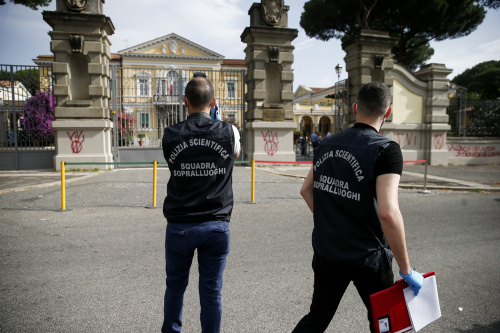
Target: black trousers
(330, 282)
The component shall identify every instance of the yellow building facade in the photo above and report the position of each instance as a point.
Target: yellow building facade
(150, 81)
(314, 109)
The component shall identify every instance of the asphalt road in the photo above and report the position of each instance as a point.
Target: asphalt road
(99, 267)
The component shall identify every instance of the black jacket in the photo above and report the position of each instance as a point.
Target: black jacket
(347, 228)
(200, 156)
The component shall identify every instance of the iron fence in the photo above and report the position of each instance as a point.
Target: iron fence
(341, 96)
(26, 108)
(147, 100)
(474, 118)
(304, 150)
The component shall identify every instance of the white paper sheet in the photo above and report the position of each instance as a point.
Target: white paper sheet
(424, 308)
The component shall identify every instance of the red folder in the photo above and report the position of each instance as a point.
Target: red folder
(389, 311)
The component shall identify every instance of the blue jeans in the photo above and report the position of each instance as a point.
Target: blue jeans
(211, 240)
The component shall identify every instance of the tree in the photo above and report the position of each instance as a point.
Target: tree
(482, 79)
(493, 4)
(30, 78)
(4, 75)
(413, 22)
(33, 4)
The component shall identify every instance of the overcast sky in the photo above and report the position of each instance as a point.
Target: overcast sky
(217, 25)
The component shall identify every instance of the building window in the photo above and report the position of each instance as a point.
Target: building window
(231, 88)
(143, 87)
(143, 120)
(173, 83)
(143, 84)
(163, 91)
(169, 85)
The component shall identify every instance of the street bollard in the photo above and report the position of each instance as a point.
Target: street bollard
(253, 181)
(63, 187)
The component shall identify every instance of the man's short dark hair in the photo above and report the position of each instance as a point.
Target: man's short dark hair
(199, 92)
(374, 99)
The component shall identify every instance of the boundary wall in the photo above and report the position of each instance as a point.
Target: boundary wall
(475, 151)
(419, 122)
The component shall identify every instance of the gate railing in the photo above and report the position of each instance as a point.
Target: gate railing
(474, 118)
(147, 100)
(26, 108)
(341, 105)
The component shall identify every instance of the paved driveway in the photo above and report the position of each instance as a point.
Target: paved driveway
(99, 267)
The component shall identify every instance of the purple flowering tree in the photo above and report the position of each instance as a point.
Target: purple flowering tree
(38, 115)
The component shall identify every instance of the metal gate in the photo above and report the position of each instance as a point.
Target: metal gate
(144, 101)
(473, 117)
(26, 113)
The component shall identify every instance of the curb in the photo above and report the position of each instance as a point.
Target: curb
(465, 185)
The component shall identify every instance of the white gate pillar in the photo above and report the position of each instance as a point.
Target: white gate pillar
(269, 120)
(79, 41)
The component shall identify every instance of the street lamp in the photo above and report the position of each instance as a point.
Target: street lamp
(338, 70)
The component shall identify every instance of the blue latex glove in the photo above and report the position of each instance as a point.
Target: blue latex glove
(215, 112)
(415, 280)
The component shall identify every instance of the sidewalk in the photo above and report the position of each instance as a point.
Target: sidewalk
(452, 177)
(20, 180)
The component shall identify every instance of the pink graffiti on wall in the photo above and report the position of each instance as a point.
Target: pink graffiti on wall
(405, 139)
(474, 151)
(271, 142)
(77, 139)
(439, 141)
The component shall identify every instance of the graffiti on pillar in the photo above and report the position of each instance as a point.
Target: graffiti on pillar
(439, 141)
(270, 142)
(407, 139)
(77, 139)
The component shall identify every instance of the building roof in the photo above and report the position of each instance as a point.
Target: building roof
(319, 90)
(315, 90)
(114, 56)
(7, 83)
(170, 47)
(233, 62)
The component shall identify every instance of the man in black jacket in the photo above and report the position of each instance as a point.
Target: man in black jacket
(200, 153)
(352, 190)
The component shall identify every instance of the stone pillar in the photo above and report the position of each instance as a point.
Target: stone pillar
(435, 119)
(368, 58)
(269, 119)
(79, 41)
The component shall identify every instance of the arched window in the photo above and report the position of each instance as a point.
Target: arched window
(170, 84)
